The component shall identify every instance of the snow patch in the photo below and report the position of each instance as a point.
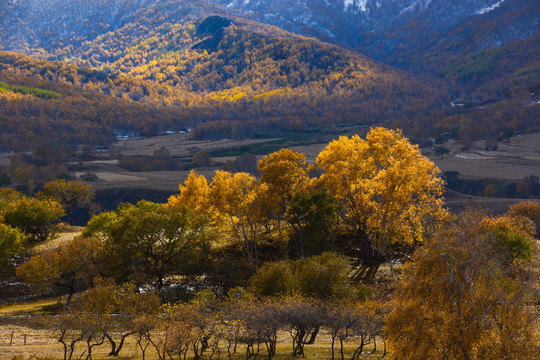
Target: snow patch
(362, 5)
(419, 4)
(234, 3)
(489, 8)
(329, 32)
(358, 4)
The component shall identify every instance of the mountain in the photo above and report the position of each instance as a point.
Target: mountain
(51, 24)
(405, 33)
(401, 32)
(213, 68)
(221, 76)
(52, 104)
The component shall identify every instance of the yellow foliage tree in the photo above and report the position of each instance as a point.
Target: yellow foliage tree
(235, 199)
(285, 173)
(194, 193)
(530, 209)
(386, 189)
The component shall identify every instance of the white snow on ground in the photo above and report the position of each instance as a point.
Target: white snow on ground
(489, 8)
(360, 4)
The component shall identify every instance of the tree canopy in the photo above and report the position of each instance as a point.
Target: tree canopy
(11, 241)
(150, 241)
(71, 267)
(387, 191)
(461, 299)
(35, 217)
(69, 194)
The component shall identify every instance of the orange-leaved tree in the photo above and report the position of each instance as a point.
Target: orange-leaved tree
(387, 191)
(72, 266)
(529, 209)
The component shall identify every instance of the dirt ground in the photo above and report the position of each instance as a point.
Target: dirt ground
(515, 160)
(178, 144)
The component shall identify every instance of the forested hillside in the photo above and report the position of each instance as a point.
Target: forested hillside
(314, 223)
(228, 84)
(55, 112)
(176, 68)
(415, 34)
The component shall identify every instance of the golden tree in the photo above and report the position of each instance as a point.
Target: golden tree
(284, 173)
(529, 209)
(236, 205)
(194, 193)
(386, 190)
(461, 299)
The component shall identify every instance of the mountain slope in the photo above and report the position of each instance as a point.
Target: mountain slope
(234, 77)
(401, 32)
(74, 115)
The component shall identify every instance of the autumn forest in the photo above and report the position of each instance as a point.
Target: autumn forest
(287, 179)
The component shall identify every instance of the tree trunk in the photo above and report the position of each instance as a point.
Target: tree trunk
(313, 336)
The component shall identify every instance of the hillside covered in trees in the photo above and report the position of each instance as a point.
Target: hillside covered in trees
(351, 253)
(246, 82)
(152, 66)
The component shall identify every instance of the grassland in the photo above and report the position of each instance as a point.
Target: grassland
(24, 90)
(25, 329)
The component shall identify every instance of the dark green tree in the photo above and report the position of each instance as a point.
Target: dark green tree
(151, 241)
(313, 218)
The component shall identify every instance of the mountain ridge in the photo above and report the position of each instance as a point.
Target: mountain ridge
(382, 28)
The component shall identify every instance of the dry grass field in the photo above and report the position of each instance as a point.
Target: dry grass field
(177, 144)
(518, 158)
(514, 160)
(31, 334)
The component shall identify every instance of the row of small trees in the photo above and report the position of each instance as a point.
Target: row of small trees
(111, 313)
